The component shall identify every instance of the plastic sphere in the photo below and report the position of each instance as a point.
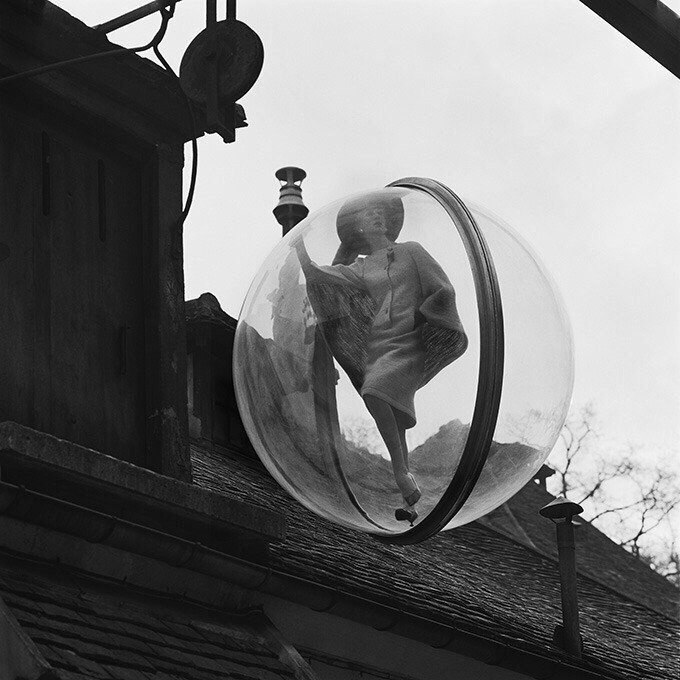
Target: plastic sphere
(400, 344)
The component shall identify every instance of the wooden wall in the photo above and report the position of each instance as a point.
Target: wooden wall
(72, 325)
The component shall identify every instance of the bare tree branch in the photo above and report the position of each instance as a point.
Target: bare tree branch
(620, 508)
(635, 518)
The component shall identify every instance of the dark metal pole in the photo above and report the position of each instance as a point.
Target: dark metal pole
(567, 554)
(649, 24)
(134, 15)
(210, 12)
(561, 512)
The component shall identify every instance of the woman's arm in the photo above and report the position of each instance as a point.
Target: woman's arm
(336, 273)
(438, 305)
(303, 255)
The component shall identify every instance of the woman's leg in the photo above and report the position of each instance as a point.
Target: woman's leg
(411, 499)
(404, 445)
(394, 437)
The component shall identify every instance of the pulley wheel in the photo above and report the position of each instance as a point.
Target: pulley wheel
(238, 53)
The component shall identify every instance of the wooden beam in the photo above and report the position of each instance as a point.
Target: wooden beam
(166, 374)
(649, 24)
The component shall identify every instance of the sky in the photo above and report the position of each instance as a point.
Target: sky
(538, 111)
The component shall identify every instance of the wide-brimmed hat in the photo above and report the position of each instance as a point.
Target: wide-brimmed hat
(347, 220)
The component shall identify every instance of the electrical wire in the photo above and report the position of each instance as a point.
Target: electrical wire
(160, 34)
(194, 142)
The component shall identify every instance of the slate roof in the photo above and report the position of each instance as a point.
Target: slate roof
(475, 576)
(85, 632)
(598, 556)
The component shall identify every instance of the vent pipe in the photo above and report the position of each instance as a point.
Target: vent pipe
(290, 209)
(561, 512)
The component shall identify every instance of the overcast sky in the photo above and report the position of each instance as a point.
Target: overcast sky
(539, 111)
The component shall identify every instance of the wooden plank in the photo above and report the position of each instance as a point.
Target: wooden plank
(123, 296)
(204, 387)
(651, 25)
(97, 394)
(42, 416)
(19, 201)
(166, 379)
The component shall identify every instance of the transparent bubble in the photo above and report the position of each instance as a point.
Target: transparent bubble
(387, 345)
(538, 373)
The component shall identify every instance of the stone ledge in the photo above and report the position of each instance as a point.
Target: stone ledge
(71, 472)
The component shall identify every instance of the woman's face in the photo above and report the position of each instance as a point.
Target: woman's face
(371, 221)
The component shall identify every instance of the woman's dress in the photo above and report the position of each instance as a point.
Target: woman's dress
(390, 320)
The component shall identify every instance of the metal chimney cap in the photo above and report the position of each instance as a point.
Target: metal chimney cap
(290, 210)
(290, 174)
(560, 508)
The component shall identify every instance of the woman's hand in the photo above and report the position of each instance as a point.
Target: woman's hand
(302, 253)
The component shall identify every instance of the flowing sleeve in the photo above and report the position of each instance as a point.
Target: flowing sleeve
(338, 274)
(334, 290)
(443, 333)
(344, 312)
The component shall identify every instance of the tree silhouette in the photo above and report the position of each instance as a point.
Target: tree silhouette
(627, 497)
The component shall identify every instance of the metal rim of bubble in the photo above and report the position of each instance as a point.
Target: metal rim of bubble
(491, 363)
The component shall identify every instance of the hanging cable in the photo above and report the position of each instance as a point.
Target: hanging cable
(192, 119)
(166, 14)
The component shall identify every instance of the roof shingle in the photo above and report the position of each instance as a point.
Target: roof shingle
(84, 633)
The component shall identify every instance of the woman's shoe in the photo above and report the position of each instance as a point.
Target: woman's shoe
(413, 498)
(415, 495)
(404, 515)
(409, 514)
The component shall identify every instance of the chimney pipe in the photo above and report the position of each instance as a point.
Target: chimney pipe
(561, 511)
(290, 209)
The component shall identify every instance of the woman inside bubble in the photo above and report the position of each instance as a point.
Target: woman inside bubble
(388, 313)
